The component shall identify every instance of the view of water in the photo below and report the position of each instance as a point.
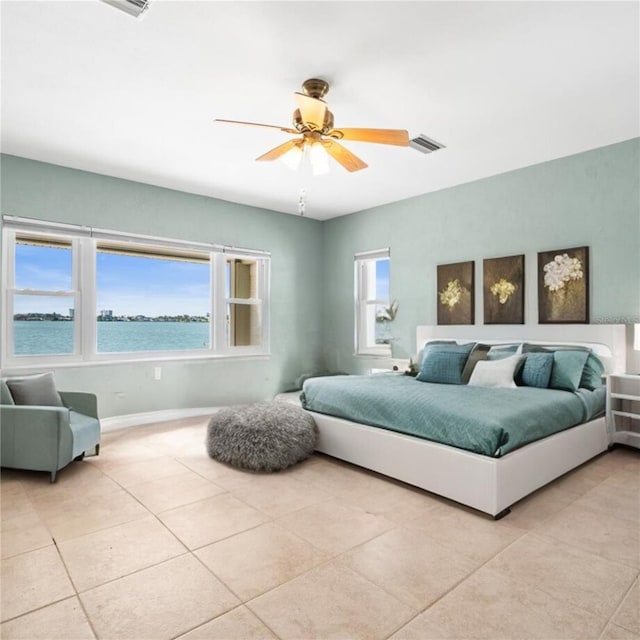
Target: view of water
(49, 337)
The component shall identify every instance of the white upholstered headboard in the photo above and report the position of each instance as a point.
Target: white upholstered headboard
(606, 340)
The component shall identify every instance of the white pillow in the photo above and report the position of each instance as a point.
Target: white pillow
(495, 373)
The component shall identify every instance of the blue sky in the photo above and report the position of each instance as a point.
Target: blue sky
(125, 284)
(128, 285)
(43, 268)
(152, 287)
(382, 279)
(46, 269)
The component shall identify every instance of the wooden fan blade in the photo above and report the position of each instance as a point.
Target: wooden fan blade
(349, 161)
(312, 110)
(280, 150)
(399, 137)
(256, 124)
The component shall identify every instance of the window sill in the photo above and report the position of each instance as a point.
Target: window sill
(11, 368)
(376, 356)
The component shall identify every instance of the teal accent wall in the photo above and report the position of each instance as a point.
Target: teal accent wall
(39, 190)
(591, 199)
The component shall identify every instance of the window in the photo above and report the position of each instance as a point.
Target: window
(372, 299)
(45, 295)
(152, 299)
(242, 302)
(79, 294)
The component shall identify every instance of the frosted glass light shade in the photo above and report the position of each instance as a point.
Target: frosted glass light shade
(292, 159)
(319, 159)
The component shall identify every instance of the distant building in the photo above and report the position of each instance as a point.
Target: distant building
(106, 314)
(71, 313)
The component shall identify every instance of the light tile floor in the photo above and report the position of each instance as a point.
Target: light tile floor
(153, 539)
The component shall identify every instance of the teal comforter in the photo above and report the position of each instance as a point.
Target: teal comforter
(490, 422)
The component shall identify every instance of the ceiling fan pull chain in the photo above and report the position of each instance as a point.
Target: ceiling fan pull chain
(302, 201)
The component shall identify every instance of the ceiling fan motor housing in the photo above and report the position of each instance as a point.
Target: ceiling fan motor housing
(304, 127)
(315, 88)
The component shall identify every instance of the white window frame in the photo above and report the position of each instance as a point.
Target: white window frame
(10, 293)
(84, 242)
(221, 301)
(365, 300)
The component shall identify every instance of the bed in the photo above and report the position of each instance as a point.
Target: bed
(505, 468)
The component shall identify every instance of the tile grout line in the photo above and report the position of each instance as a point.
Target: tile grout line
(458, 583)
(275, 635)
(537, 586)
(191, 552)
(609, 618)
(586, 550)
(73, 585)
(149, 513)
(274, 521)
(241, 604)
(619, 607)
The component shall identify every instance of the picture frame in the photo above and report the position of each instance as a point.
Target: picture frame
(503, 290)
(563, 286)
(455, 293)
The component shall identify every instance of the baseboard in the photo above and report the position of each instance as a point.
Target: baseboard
(149, 417)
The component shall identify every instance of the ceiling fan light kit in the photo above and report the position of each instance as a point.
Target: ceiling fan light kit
(318, 159)
(305, 154)
(313, 121)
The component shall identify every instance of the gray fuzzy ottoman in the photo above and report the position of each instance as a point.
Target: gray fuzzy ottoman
(266, 436)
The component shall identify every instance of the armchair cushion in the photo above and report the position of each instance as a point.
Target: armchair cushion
(39, 390)
(86, 432)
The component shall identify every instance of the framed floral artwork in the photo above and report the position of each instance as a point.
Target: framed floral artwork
(563, 286)
(503, 290)
(456, 293)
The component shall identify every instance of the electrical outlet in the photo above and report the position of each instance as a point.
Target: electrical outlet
(157, 373)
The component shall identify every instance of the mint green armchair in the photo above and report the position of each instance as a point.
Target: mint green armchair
(43, 438)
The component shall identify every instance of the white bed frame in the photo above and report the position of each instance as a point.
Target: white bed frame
(491, 485)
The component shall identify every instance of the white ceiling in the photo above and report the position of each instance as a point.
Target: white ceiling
(502, 84)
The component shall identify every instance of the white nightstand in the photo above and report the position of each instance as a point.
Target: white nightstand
(394, 365)
(623, 408)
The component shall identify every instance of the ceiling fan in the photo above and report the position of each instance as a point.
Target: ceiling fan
(313, 122)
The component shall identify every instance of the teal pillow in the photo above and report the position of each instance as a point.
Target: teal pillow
(429, 344)
(444, 363)
(536, 371)
(593, 370)
(567, 369)
(592, 373)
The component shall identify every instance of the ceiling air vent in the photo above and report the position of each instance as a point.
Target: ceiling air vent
(132, 7)
(424, 144)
